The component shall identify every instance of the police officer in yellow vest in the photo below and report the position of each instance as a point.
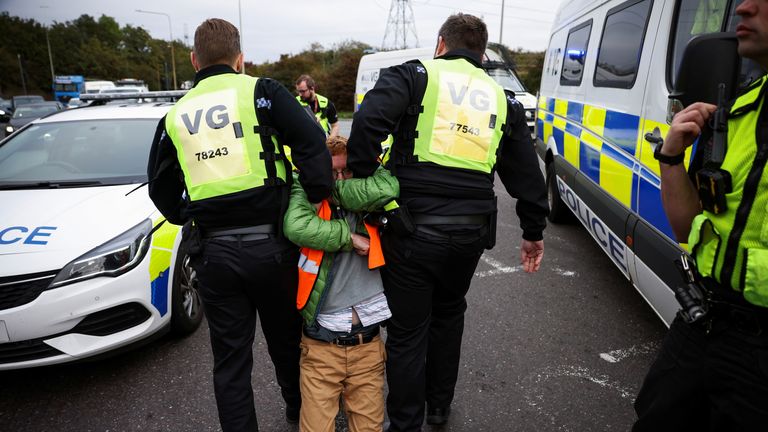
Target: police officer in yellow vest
(712, 374)
(453, 129)
(217, 160)
(320, 106)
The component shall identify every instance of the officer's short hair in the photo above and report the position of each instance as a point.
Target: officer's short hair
(337, 145)
(308, 79)
(217, 41)
(464, 31)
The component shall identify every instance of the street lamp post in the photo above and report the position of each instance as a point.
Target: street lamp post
(50, 56)
(501, 29)
(170, 30)
(21, 70)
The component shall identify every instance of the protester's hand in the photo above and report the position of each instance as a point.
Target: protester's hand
(361, 244)
(531, 253)
(686, 127)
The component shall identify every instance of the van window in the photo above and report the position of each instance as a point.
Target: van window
(575, 54)
(695, 17)
(621, 45)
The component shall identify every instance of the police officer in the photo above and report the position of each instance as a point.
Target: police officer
(320, 106)
(217, 159)
(453, 127)
(713, 374)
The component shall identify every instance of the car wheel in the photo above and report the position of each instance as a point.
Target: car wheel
(558, 210)
(186, 307)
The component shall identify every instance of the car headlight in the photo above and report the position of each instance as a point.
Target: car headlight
(113, 258)
(9, 128)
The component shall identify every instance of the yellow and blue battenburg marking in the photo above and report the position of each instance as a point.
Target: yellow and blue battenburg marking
(160, 263)
(608, 147)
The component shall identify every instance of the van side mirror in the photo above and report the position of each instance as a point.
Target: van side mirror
(708, 61)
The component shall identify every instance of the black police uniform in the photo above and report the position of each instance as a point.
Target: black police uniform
(428, 273)
(240, 274)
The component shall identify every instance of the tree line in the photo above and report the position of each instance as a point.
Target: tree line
(102, 49)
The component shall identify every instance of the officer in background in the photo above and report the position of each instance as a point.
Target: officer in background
(712, 374)
(453, 127)
(217, 159)
(322, 108)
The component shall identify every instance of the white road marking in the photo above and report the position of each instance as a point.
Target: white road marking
(498, 268)
(562, 272)
(618, 355)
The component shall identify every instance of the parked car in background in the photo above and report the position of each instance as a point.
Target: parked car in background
(88, 265)
(26, 113)
(94, 86)
(17, 101)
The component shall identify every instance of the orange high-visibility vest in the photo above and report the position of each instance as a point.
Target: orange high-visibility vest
(310, 259)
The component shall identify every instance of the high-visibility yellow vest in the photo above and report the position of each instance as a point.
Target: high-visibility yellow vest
(216, 133)
(726, 243)
(464, 111)
(322, 103)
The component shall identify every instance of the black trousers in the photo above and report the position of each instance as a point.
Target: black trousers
(425, 280)
(237, 279)
(716, 381)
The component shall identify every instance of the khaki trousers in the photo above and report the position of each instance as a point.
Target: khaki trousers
(355, 372)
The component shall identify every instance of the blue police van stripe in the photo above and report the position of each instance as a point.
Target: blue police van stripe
(650, 207)
(618, 156)
(551, 105)
(540, 129)
(575, 112)
(559, 136)
(160, 293)
(549, 118)
(573, 129)
(621, 130)
(589, 162)
(635, 187)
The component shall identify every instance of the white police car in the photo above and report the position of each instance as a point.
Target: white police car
(87, 263)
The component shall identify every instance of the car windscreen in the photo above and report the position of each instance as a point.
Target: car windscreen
(33, 112)
(106, 151)
(506, 79)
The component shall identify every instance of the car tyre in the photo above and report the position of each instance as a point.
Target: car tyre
(558, 210)
(186, 307)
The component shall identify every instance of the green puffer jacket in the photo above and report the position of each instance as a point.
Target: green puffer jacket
(303, 227)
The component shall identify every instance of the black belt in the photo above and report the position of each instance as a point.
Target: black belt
(355, 339)
(352, 340)
(730, 306)
(256, 232)
(427, 219)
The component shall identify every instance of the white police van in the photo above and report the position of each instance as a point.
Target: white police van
(496, 62)
(607, 76)
(87, 264)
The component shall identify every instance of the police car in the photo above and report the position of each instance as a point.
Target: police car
(88, 265)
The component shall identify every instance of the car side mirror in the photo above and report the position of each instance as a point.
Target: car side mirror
(708, 61)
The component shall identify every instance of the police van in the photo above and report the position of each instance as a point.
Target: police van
(497, 63)
(608, 72)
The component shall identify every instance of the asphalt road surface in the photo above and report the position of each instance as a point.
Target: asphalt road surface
(565, 349)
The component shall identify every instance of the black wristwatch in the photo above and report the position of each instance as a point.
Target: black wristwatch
(669, 160)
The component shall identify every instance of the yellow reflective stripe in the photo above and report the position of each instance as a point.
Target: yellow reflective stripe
(162, 246)
(616, 179)
(561, 107)
(594, 119)
(571, 148)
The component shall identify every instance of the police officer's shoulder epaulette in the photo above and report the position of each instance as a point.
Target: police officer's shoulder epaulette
(737, 107)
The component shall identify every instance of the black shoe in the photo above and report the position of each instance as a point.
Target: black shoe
(438, 416)
(292, 414)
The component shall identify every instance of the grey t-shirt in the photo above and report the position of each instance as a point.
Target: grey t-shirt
(351, 280)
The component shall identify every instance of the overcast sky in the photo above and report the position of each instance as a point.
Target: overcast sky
(275, 27)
